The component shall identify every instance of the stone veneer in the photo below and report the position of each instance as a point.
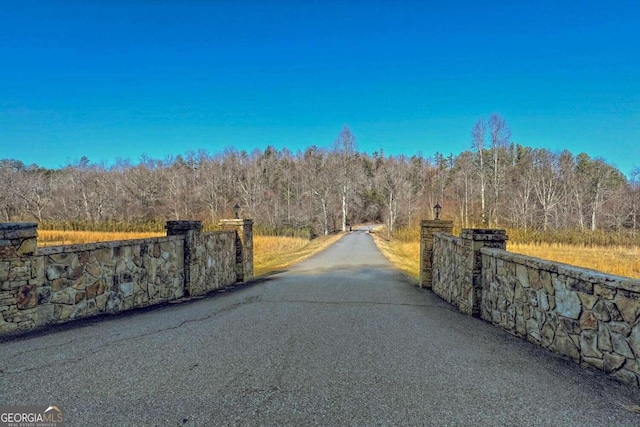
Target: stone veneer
(42, 286)
(457, 266)
(590, 317)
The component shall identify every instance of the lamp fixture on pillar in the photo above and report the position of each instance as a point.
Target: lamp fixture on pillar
(437, 208)
(236, 210)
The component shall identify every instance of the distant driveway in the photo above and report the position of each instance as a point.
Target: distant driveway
(340, 339)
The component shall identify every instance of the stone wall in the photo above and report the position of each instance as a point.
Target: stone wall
(590, 317)
(457, 266)
(43, 286)
(427, 231)
(448, 271)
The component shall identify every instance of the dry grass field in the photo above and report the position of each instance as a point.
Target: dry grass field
(404, 253)
(59, 237)
(619, 260)
(270, 253)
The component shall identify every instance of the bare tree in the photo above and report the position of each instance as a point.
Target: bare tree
(478, 134)
(546, 184)
(500, 135)
(521, 188)
(463, 172)
(345, 148)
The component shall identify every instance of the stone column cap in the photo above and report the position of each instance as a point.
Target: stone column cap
(490, 234)
(10, 226)
(236, 221)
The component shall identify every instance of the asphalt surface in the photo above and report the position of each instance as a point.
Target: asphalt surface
(340, 339)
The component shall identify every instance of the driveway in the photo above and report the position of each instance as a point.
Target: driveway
(340, 339)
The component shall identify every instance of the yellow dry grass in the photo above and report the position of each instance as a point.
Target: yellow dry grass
(270, 253)
(60, 237)
(405, 256)
(618, 260)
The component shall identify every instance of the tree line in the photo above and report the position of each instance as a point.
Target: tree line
(318, 190)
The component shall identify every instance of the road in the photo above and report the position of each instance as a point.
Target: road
(340, 339)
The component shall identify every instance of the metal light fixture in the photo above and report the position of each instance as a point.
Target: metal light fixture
(438, 209)
(236, 210)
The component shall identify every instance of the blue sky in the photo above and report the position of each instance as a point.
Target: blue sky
(109, 79)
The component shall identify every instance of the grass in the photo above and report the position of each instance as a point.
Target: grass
(623, 260)
(270, 253)
(274, 253)
(405, 255)
(60, 237)
(618, 260)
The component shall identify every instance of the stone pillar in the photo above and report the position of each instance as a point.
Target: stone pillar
(20, 275)
(244, 246)
(473, 240)
(18, 239)
(191, 230)
(427, 229)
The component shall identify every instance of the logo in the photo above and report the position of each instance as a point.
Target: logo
(31, 416)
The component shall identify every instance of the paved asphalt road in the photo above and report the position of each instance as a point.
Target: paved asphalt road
(340, 339)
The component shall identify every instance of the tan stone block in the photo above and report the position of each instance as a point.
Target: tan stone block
(62, 312)
(25, 325)
(37, 267)
(121, 266)
(105, 257)
(604, 291)
(79, 284)
(547, 334)
(604, 338)
(80, 296)
(588, 321)
(95, 289)
(621, 346)
(27, 247)
(60, 284)
(589, 344)
(92, 267)
(629, 308)
(632, 365)
(563, 344)
(79, 310)
(7, 299)
(523, 275)
(545, 280)
(588, 301)
(6, 327)
(62, 258)
(101, 302)
(594, 362)
(65, 296)
(44, 315)
(601, 312)
(4, 270)
(19, 271)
